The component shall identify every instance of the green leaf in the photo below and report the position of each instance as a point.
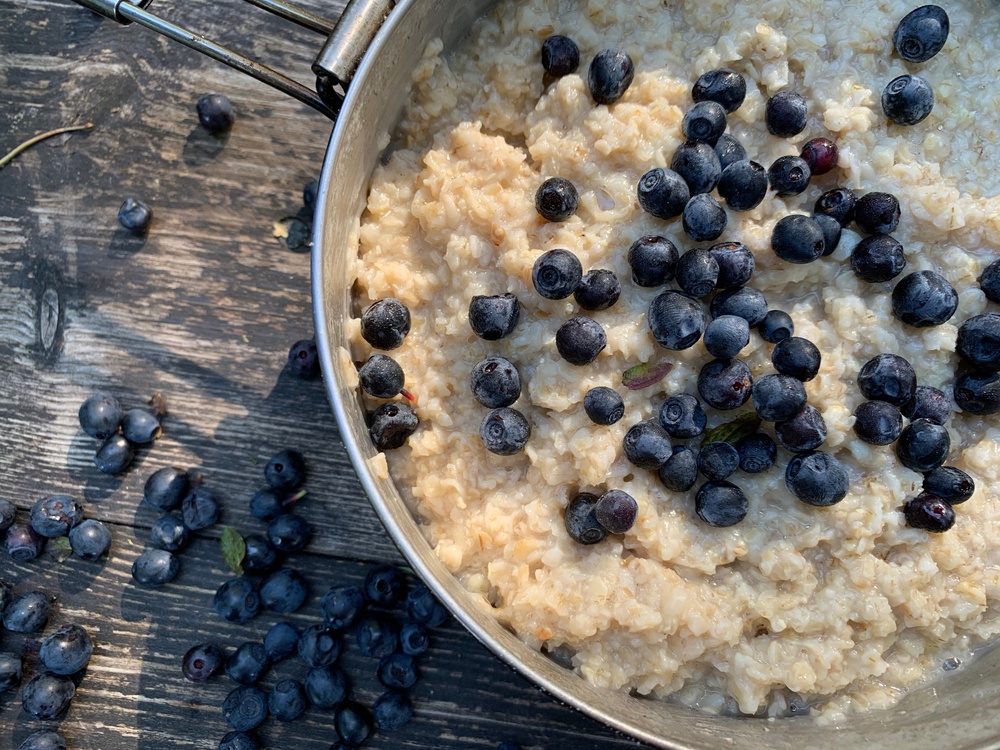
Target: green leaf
(645, 375)
(734, 431)
(59, 548)
(233, 549)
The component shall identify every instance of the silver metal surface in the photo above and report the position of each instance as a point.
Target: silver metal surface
(348, 43)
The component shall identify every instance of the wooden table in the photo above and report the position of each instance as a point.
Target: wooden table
(202, 310)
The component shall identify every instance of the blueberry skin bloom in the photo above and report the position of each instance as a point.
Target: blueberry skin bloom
(28, 613)
(817, 478)
(680, 472)
(326, 686)
(505, 431)
(831, 232)
(599, 289)
(921, 33)
(47, 696)
(342, 605)
(237, 600)
(979, 341)
(286, 470)
(950, 484)
(115, 455)
(10, 671)
(789, 175)
(785, 114)
(877, 213)
(385, 323)
(66, 651)
(697, 272)
(653, 260)
(797, 357)
(928, 403)
(682, 416)
(319, 646)
(141, 426)
(989, 282)
(579, 340)
(721, 504)
(744, 302)
(381, 376)
(100, 415)
(215, 113)
(247, 663)
(200, 509)
(923, 446)
(757, 453)
(806, 431)
(878, 422)
(556, 199)
(878, 258)
(495, 317)
(704, 219)
(718, 460)
(581, 521)
(391, 424)
(287, 700)
(726, 336)
(888, 377)
(397, 671)
(929, 512)
(976, 393)
(238, 741)
(267, 504)
(736, 264)
(8, 512)
(55, 515)
(556, 274)
(560, 55)
(704, 122)
(245, 708)
(798, 238)
(907, 99)
(727, 87)
(838, 203)
(44, 739)
(392, 710)
(743, 185)
(284, 591)
(611, 73)
(166, 487)
(776, 326)
(495, 382)
(616, 511)
(647, 445)
(725, 383)
(135, 215)
(353, 723)
(202, 662)
(924, 299)
(729, 150)
(663, 193)
(675, 320)
(603, 405)
(778, 397)
(698, 165)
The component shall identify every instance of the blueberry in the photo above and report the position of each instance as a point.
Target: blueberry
(504, 431)
(923, 445)
(23, 543)
(704, 219)
(397, 671)
(560, 55)
(247, 663)
(115, 455)
(729, 150)
(877, 422)
(778, 397)
(743, 302)
(682, 416)
(950, 484)
(319, 646)
(698, 165)
(725, 383)
(598, 290)
(202, 662)
(326, 686)
(817, 478)
(245, 708)
(922, 33)
(281, 641)
(727, 87)
(928, 403)
(653, 260)
(721, 504)
(267, 504)
(43, 739)
(676, 320)
(413, 639)
(168, 532)
(798, 238)
(10, 671)
(135, 215)
(789, 175)
(907, 99)
(704, 122)
(494, 317)
(736, 264)
(616, 511)
(820, 154)
(611, 73)
(353, 723)
(385, 585)
(806, 431)
(155, 567)
(776, 326)
(680, 472)
(838, 203)
(377, 636)
(55, 515)
(215, 113)
(556, 274)
(581, 520)
(342, 605)
(697, 272)
(100, 416)
(166, 487)
(976, 393)
(743, 185)
(878, 258)
(385, 323)
(381, 376)
(238, 741)
(831, 233)
(663, 193)
(603, 405)
(888, 377)
(647, 445)
(757, 453)
(979, 341)
(8, 512)
(310, 194)
(237, 600)
(391, 425)
(726, 336)
(303, 359)
(423, 608)
(47, 696)
(392, 710)
(200, 509)
(924, 299)
(286, 470)
(6, 596)
(929, 512)
(141, 426)
(556, 199)
(797, 357)
(990, 281)
(67, 651)
(877, 213)
(579, 340)
(260, 555)
(785, 114)
(718, 460)
(283, 591)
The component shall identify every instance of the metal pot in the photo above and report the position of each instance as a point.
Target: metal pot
(962, 712)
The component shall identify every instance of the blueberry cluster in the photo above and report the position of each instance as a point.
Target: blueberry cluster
(368, 613)
(52, 517)
(102, 417)
(921, 34)
(589, 518)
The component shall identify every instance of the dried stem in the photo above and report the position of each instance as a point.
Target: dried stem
(39, 138)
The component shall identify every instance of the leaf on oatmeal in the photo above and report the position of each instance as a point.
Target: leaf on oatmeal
(234, 549)
(645, 375)
(734, 431)
(59, 548)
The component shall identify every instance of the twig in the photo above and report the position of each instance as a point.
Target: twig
(38, 139)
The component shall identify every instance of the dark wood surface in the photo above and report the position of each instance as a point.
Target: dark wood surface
(202, 310)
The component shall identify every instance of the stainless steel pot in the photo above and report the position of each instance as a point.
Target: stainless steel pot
(960, 713)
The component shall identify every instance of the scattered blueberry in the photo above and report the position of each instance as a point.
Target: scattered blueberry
(353, 723)
(877, 213)
(663, 193)
(616, 511)
(43, 739)
(929, 512)
(245, 708)
(391, 424)
(8, 513)
(141, 426)
(392, 710)
(579, 340)
(924, 299)
(950, 484)
(990, 281)
(505, 431)
(237, 600)
(168, 532)
(778, 397)
(698, 165)
(560, 55)
(494, 317)
(281, 641)
(303, 359)
(725, 383)
(166, 487)
(838, 203)
(806, 431)
(202, 662)
(342, 605)
(598, 290)
(27, 613)
(247, 663)
(742, 301)
(726, 336)
(729, 150)
(23, 543)
(260, 555)
(797, 357)
(115, 455)
(326, 686)
(921, 33)
(923, 445)
(888, 377)
(976, 393)
(377, 636)
(721, 504)
(495, 382)
(200, 509)
(697, 272)
(611, 73)
(736, 264)
(283, 591)
(556, 199)
(798, 238)
(319, 645)
(680, 472)
(397, 671)
(718, 460)
(67, 651)
(215, 113)
(878, 422)
(703, 219)
(385, 585)
(266, 504)
(653, 260)
(727, 87)
(789, 175)
(705, 122)
(878, 258)
(381, 376)
(289, 532)
(603, 405)
(47, 696)
(581, 520)
(423, 608)
(907, 99)
(743, 185)
(556, 274)
(978, 342)
(757, 453)
(676, 320)
(55, 515)
(928, 403)
(776, 326)
(135, 215)
(647, 445)
(785, 114)
(100, 416)
(385, 323)
(820, 154)
(682, 416)
(238, 741)
(10, 671)
(413, 639)
(817, 478)
(286, 470)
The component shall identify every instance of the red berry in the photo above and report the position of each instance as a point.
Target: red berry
(820, 154)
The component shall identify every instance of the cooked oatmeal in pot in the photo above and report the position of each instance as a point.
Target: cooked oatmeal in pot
(841, 608)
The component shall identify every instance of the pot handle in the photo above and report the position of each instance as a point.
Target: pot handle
(346, 43)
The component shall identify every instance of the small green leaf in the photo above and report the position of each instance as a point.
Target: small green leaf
(734, 431)
(645, 375)
(233, 549)
(60, 548)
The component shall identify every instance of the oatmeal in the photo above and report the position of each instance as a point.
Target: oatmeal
(843, 607)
